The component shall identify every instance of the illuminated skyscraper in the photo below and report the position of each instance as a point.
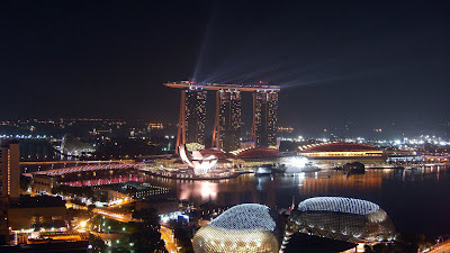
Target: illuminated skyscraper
(191, 124)
(228, 116)
(265, 108)
(195, 115)
(228, 120)
(9, 165)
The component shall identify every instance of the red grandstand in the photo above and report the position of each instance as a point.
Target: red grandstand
(340, 149)
(258, 152)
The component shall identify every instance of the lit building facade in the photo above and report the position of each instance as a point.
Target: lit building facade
(228, 120)
(228, 115)
(192, 120)
(340, 149)
(10, 168)
(195, 115)
(195, 160)
(265, 115)
(155, 126)
(37, 212)
(242, 228)
(343, 219)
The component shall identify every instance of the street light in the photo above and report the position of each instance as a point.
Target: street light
(83, 224)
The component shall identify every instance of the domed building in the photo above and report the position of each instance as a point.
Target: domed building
(242, 228)
(71, 145)
(256, 152)
(216, 152)
(343, 219)
(340, 149)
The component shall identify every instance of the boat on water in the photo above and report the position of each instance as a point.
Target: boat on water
(267, 169)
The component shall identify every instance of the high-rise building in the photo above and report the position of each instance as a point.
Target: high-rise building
(10, 169)
(228, 120)
(228, 116)
(265, 109)
(195, 115)
(192, 121)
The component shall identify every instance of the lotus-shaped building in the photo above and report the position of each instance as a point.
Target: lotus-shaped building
(201, 164)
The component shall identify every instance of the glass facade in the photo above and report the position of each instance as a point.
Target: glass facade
(230, 121)
(338, 204)
(243, 228)
(265, 105)
(344, 219)
(195, 115)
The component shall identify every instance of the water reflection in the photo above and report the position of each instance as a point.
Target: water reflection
(405, 194)
(206, 190)
(278, 189)
(249, 188)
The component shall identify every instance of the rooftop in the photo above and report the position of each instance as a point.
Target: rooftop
(245, 217)
(222, 86)
(38, 202)
(340, 147)
(338, 205)
(128, 187)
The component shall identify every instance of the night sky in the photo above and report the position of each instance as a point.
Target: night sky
(367, 63)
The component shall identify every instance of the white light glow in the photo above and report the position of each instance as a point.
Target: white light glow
(298, 161)
(197, 161)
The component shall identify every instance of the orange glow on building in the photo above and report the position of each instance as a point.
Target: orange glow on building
(341, 149)
(344, 154)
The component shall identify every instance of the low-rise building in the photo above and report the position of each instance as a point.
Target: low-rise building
(42, 183)
(131, 190)
(35, 212)
(340, 150)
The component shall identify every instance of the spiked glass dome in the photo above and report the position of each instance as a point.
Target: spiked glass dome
(344, 219)
(245, 217)
(243, 228)
(339, 205)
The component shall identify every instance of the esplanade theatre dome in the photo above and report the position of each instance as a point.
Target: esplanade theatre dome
(344, 219)
(242, 228)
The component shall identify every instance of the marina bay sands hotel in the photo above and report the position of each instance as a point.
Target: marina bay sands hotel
(228, 121)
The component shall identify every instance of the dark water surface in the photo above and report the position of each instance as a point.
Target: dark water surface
(417, 201)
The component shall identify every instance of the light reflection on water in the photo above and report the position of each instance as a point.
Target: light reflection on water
(417, 200)
(250, 188)
(206, 190)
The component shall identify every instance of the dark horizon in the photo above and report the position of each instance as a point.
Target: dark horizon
(370, 64)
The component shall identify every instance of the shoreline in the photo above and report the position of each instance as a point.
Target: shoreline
(179, 176)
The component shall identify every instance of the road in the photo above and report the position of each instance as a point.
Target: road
(443, 247)
(115, 216)
(108, 214)
(168, 237)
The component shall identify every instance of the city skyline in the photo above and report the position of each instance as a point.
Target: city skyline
(225, 126)
(227, 134)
